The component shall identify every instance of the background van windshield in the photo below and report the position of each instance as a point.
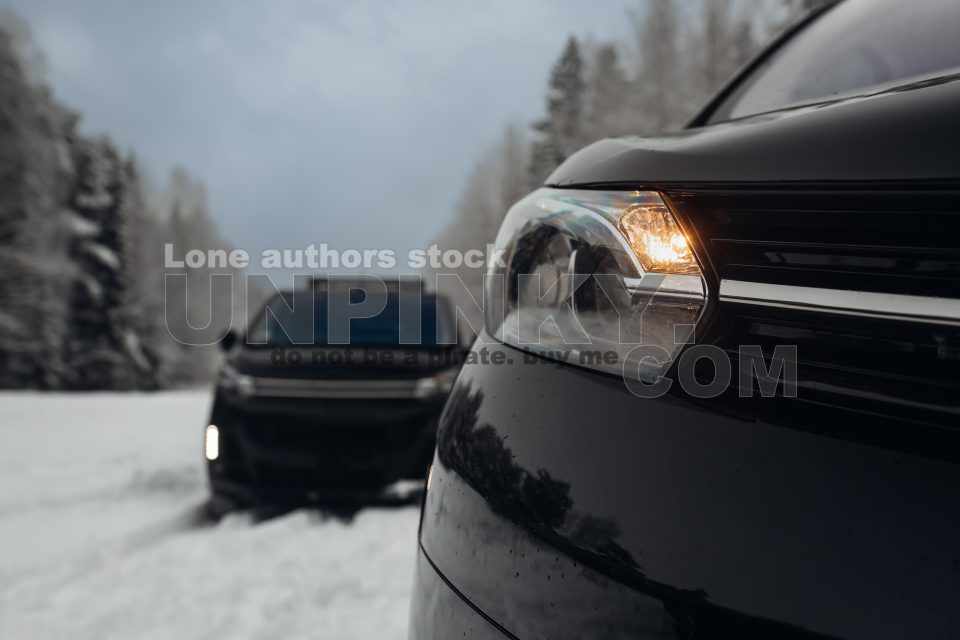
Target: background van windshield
(299, 319)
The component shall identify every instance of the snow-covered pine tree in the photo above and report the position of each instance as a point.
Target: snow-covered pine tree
(139, 325)
(34, 166)
(717, 41)
(81, 297)
(475, 222)
(176, 289)
(514, 160)
(660, 93)
(560, 133)
(609, 109)
(543, 157)
(196, 305)
(725, 43)
(745, 45)
(565, 102)
(494, 184)
(95, 358)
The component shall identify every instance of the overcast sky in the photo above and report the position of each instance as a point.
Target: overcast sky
(349, 122)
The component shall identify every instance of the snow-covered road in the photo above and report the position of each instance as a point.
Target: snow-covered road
(101, 536)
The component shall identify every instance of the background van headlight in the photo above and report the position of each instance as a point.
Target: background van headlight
(590, 276)
(439, 384)
(233, 382)
(211, 442)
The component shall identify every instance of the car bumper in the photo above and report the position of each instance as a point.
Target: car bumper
(562, 506)
(297, 449)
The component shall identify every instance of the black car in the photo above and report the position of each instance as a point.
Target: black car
(334, 391)
(727, 403)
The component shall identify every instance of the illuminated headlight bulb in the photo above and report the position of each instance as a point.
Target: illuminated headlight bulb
(438, 384)
(211, 443)
(655, 239)
(246, 385)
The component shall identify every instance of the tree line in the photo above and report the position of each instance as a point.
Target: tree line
(81, 235)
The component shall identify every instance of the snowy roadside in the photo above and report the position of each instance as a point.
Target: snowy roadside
(100, 536)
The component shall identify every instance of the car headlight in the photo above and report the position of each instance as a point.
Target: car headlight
(603, 279)
(233, 382)
(439, 384)
(211, 442)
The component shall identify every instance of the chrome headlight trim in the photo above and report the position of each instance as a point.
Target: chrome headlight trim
(603, 279)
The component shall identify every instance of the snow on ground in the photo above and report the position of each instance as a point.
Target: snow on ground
(102, 536)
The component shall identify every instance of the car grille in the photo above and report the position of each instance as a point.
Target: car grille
(866, 284)
(304, 451)
(334, 389)
(892, 241)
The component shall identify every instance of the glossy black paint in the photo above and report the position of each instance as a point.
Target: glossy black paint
(439, 608)
(899, 135)
(562, 506)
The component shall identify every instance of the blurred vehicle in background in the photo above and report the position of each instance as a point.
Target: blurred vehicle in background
(334, 390)
(766, 444)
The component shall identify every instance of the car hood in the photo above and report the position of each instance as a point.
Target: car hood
(906, 133)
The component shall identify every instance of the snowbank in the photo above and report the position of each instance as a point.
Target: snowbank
(102, 536)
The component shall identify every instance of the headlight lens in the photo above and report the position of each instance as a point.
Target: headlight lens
(589, 276)
(438, 384)
(233, 382)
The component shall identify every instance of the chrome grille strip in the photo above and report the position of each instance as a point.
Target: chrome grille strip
(334, 389)
(838, 301)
